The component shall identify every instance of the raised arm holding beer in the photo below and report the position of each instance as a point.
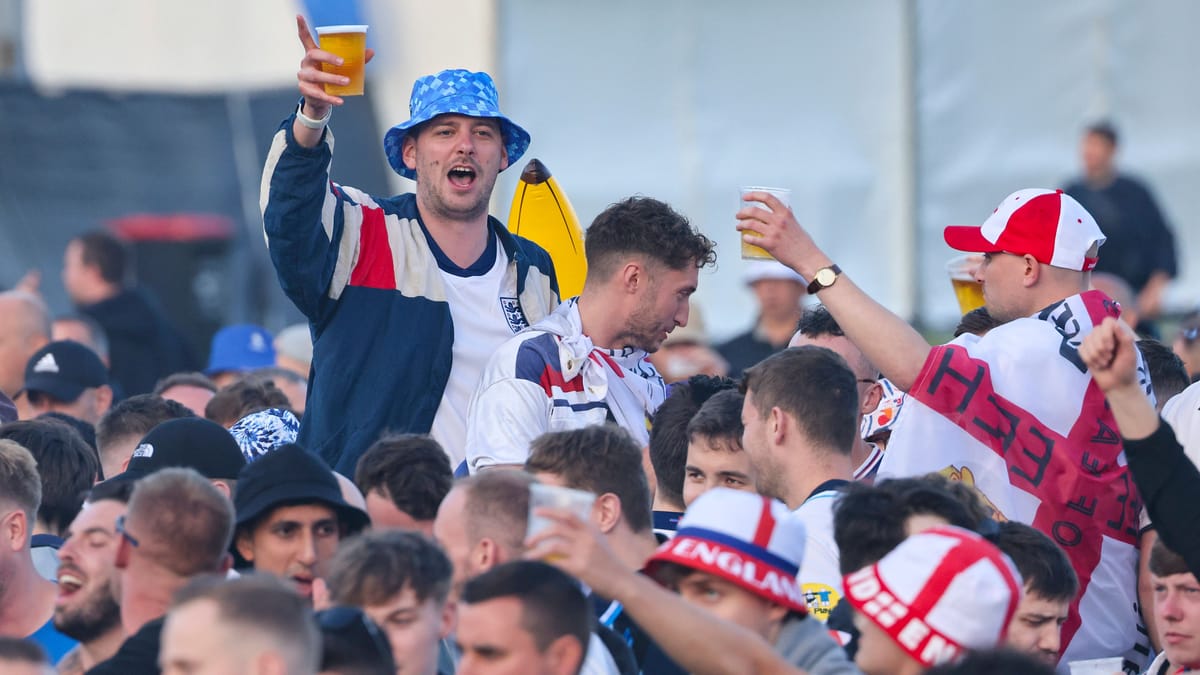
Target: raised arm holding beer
(317, 103)
(896, 348)
(406, 296)
(1016, 409)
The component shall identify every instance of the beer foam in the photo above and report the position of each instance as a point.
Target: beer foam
(330, 30)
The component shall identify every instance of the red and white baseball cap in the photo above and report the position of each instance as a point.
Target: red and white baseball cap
(938, 594)
(744, 538)
(1046, 224)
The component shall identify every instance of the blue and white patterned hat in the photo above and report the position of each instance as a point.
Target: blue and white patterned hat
(263, 431)
(460, 92)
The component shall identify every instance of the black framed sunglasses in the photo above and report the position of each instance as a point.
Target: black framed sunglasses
(125, 533)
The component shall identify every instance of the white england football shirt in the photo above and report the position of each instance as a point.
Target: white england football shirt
(820, 579)
(480, 327)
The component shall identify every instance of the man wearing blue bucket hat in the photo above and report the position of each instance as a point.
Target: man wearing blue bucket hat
(406, 296)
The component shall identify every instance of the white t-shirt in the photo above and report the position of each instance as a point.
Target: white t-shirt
(598, 660)
(819, 578)
(480, 327)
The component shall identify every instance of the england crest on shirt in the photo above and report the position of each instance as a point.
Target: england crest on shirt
(514, 314)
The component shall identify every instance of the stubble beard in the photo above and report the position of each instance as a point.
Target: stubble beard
(769, 479)
(436, 200)
(97, 615)
(641, 330)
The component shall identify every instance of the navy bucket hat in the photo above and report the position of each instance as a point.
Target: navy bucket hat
(461, 92)
(291, 475)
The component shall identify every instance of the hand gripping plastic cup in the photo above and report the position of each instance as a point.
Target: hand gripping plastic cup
(577, 501)
(350, 43)
(962, 277)
(749, 251)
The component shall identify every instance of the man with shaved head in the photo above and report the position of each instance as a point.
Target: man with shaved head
(177, 527)
(254, 625)
(25, 329)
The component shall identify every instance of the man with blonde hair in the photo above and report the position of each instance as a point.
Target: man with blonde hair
(26, 599)
(254, 625)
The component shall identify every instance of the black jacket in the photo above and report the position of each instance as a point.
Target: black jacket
(138, 654)
(143, 346)
(1168, 483)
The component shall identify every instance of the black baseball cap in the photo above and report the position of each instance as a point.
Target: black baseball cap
(190, 442)
(63, 370)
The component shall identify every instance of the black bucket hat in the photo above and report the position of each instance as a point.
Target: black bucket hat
(288, 476)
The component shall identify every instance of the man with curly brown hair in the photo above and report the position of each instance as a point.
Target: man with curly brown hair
(586, 363)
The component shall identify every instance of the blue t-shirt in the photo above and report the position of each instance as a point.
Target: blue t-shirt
(55, 643)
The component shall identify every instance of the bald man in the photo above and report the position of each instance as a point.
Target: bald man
(25, 329)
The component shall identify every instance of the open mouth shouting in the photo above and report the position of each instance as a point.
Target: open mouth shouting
(70, 581)
(462, 176)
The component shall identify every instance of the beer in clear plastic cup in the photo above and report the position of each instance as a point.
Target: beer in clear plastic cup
(540, 494)
(750, 251)
(350, 43)
(967, 291)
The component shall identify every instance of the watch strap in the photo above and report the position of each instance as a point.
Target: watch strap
(816, 285)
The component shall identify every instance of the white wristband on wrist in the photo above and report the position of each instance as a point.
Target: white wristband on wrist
(305, 120)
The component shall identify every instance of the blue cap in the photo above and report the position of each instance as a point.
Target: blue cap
(460, 92)
(240, 347)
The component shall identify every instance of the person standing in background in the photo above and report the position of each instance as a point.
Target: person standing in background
(143, 345)
(1141, 246)
(778, 292)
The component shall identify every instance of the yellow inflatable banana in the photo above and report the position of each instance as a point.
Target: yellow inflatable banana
(542, 213)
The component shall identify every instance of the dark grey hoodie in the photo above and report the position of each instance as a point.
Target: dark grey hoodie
(806, 643)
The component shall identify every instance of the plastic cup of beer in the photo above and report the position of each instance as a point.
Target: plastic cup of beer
(1107, 666)
(350, 43)
(750, 251)
(962, 276)
(578, 502)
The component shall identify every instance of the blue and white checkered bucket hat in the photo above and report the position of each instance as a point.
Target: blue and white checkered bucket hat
(461, 92)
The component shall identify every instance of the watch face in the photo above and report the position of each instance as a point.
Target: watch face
(824, 278)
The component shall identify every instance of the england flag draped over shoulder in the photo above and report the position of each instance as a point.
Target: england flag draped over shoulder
(1017, 415)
